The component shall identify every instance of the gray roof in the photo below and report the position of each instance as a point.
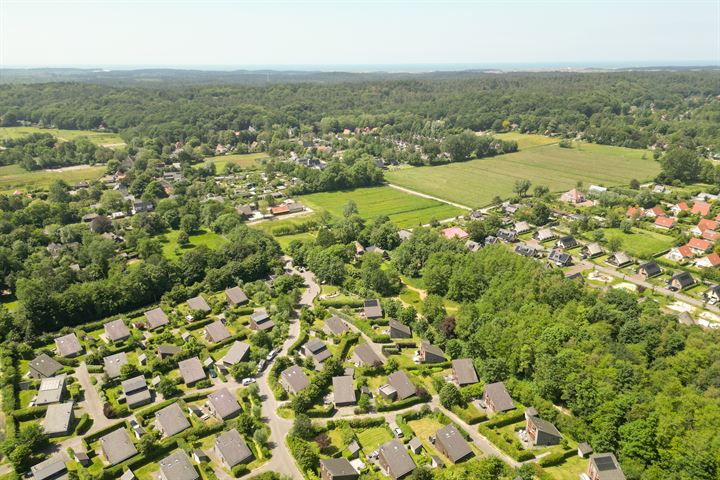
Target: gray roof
(584, 448)
(372, 308)
(545, 426)
(335, 325)
(51, 469)
(684, 279)
(117, 446)
(168, 349)
(401, 327)
(237, 353)
(620, 258)
(177, 466)
(198, 303)
(499, 396)
(116, 330)
(262, 319)
(594, 249)
(318, 350)
(456, 446)
(113, 364)
(651, 268)
(58, 418)
(236, 296)
(68, 345)
(217, 332)
(172, 420)
(464, 371)
(338, 467)
(192, 370)
(415, 444)
(45, 365)
(343, 389)
(233, 448)
(399, 461)
(224, 403)
(156, 318)
(432, 349)
(607, 466)
(366, 354)
(51, 390)
(136, 391)
(296, 378)
(402, 384)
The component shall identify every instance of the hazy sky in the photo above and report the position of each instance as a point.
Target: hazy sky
(370, 32)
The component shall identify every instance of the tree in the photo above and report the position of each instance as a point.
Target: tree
(521, 187)
(680, 163)
(147, 247)
(167, 388)
(350, 209)
(183, 239)
(540, 190)
(189, 223)
(450, 396)
(614, 244)
(303, 427)
(461, 146)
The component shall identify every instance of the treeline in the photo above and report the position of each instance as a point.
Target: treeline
(632, 109)
(41, 150)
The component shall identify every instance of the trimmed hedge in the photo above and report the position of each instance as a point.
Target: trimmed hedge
(555, 458)
(341, 302)
(320, 412)
(506, 419)
(357, 422)
(302, 338)
(30, 413)
(408, 402)
(240, 470)
(199, 324)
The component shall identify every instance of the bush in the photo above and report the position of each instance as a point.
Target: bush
(30, 413)
(240, 470)
(555, 458)
(203, 384)
(84, 424)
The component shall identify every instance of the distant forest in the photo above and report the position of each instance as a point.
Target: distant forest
(631, 108)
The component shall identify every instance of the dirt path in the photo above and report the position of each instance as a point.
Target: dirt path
(430, 197)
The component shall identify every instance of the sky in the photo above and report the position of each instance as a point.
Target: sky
(248, 34)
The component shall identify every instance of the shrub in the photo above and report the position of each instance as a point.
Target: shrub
(240, 470)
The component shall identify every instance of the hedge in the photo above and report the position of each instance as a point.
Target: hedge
(84, 424)
(199, 324)
(555, 458)
(506, 419)
(142, 416)
(138, 461)
(240, 470)
(320, 412)
(408, 402)
(95, 369)
(30, 413)
(341, 302)
(357, 422)
(231, 339)
(93, 437)
(302, 338)
(468, 418)
(470, 392)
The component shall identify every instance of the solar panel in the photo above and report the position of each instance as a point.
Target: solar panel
(605, 463)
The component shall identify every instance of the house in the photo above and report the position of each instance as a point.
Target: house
(430, 353)
(58, 419)
(567, 242)
(372, 309)
(343, 391)
(44, 366)
(450, 442)
(604, 466)
(260, 320)
(394, 460)
(680, 207)
(365, 356)
(337, 469)
(139, 206)
(703, 225)
(378, 250)
(490, 240)
(541, 432)
(402, 385)
(497, 398)
(507, 235)
(198, 303)
(177, 466)
(619, 259)
(192, 371)
(51, 390)
(235, 296)
(114, 363)
(635, 212)
(701, 208)
(117, 446)
(232, 449)
(680, 254)
(526, 251)
(649, 270)
(317, 350)
(238, 352)
(464, 372)
(136, 391)
(116, 331)
(655, 212)
(170, 420)
(335, 326)
(51, 469)
(165, 351)
(544, 235)
(584, 449)
(454, 232)
(559, 258)
(682, 280)
(699, 245)
(473, 246)
(294, 380)
(710, 261)
(398, 330)
(665, 223)
(658, 188)
(216, 332)
(572, 196)
(156, 318)
(591, 250)
(68, 345)
(711, 235)
(522, 227)
(404, 235)
(223, 404)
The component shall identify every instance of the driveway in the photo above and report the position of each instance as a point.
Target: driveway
(91, 403)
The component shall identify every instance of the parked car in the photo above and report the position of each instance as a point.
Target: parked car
(260, 365)
(247, 381)
(398, 433)
(271, 355)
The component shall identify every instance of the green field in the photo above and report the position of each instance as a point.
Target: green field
(640, 243)
(245, 160)
(209, 239)
(14, 177)
(526, 140)
(404, 209)
(475, 183)
(98, 138)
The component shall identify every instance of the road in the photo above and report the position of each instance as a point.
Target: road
(91, 403)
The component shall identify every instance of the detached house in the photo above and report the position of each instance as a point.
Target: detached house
(216, 332)
(454, 232)
(680, 254)
(365, 356)
(335, 326)
(665, 223)
(506, 235)
(703, 225)
(521, 227)
(170, 420)
(541, 432)
(317, 350)
(44, 366)
(337, 469)
(559, 258)
(450, 442)
(156, 318)
(619, 259)
(223, 404)
(260, 320)
(591, 250)
(655, 212)
(232, 449)
(68, 345)
(682, 280)
(116, 331)
(497, 398)
(430, 353)
(235, 296)
(294, 380)
(699, 245)
(604, 466)
(567, 242)
(372, 309)
(544, 235)
(399, 330)
(192, 371)
(710, 261)
(680, 207)
(463, 372)
(394, 460)
(198, 303)
(649, 269)
(572, 196)
(701, 208)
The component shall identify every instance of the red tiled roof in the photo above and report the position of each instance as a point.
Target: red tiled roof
(667, 222)
(711, 235)
(657, 211)
(702, 208)
(682, 206)
(706, 224)
(632, 211)
(713, 259)
(454, 232)
(685, 251)
(699, 244)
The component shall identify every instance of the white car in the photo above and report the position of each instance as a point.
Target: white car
(271, 355)
(398, 432)
(247, 381)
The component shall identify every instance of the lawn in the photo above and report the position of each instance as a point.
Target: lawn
(527, 140)
(171, 248)
(372, 438)
(640, 243)
(244, 160)
(475, 183)
(98, 138)
(404, 210)
(14, 177)
(570, 469)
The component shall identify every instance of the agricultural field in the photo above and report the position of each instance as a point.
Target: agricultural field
(244, 160)
(404, 209)
(14, 177)
(526, 140)
(475, 183)
(107, 139)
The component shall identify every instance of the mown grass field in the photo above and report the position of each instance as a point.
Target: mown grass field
(640, 243)
(98, 138)
(404, 209)
(244, 160)
(171, 248)
(527, 140)
(475, 183)
(14, 177)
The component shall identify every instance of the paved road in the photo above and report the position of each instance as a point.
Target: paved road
(91, 403)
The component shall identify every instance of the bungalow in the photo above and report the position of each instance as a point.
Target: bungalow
(192, 371)
(507, 235)
(463, 372)
(701, 208)
(223, 404)
(343, 391)
(235, 296)
(114, 363)
(521, 227)
(567, 242)
(699, 245)
(680, 207)
(375, 249)
(58, 419)
(473, 246)
(450, 442)
(710, 261)
(171, 420)
(591, 250)
(260, 320)
(51, 390)
(526, 251)
(294, 380)
(399, 330)
(703, 225)
(198, 303)
(44, 366)
(335, 326)
(68, 345)
(682, 280)
(402, 385)
(711, 235)
(541, 432)
(713, 293)
(394, 460)
(497, 398)
(649, 269)
(238, 352)
(665, 223)
(337, 469)
(655, 212)
(561, 259)
(430, 353)
(165, 351)
(680, 254)
(635, 212)
(317, 350)
(372, 309)
(572, 196)
(232, 449)
(156, 318)
(604, 466)
(136, 391)
(544, 235)
(177, 466)
(116, 331)
(53, 468)
(216, 332)
(365, 356)
(454, 232)
(619, 259)
(117, 446)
